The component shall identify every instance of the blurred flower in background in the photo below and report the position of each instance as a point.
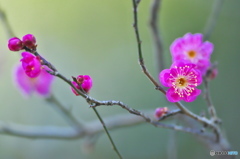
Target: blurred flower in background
(191, 48)
(27, 85)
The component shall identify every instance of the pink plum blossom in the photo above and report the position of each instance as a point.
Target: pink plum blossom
(29, 40)
(85, 81)
(31, 64)
(27, 85)
(182, 78)
(15, 44)
(191, 48)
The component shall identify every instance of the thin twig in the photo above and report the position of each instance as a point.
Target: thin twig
(64, 112)
(211, 108)
(172, 145)
(206, 79)
(141, 60)
(6, 24)
(135, 25)
(156, 35)
(169, 114)
(203, 120)
(212, 19)
(108, 134)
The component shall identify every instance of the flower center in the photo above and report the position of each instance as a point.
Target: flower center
(184, 80)
(181, 82)
(80, 80)
(192, 54)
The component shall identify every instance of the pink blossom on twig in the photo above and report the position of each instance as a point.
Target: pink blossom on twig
(29, 41)
(15, 44)
(191, 48)
(182, 78)
(159, 112)
(31, 64)
(85, 81)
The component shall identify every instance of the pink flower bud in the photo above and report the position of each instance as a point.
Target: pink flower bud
(15, 44)
(212, 73)
(159, 112)
(29, 41)
(193, 49)
(77, 86)
(31, 64)
(85, 81)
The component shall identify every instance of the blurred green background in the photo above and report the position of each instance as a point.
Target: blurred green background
(96, 38)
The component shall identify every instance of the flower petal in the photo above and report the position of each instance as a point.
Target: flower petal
(77, 86)
(31, 64)
(197, 39)
(207, 49)
(176, 46)
(172, 96)
(22, 81)
(44, 82)
(164, 77)
(87, 82)
(193, 95)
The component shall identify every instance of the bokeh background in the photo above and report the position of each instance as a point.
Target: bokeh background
(96, 38)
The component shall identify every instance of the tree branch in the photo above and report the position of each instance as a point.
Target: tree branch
(212, 20)
(107, 132)
(169, 114)
(156, 35)
(65, 113)
(211, 109)
(6, 24)
(89, 128)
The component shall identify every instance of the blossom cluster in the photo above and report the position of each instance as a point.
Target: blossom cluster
(15, 44)
(32, 75)
(191, 60)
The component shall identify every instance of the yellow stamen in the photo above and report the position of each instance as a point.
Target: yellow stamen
(192, 54)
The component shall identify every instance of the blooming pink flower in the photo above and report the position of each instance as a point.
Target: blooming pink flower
(29, 40)
(31, 64)
(27, 85)
(15, 44)
(182, 78)
(85, 81)
(159, 112)
(191, 48)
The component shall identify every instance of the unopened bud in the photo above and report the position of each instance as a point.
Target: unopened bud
(85, 81)
(159, 112)
(15, 44)
(29, 41)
